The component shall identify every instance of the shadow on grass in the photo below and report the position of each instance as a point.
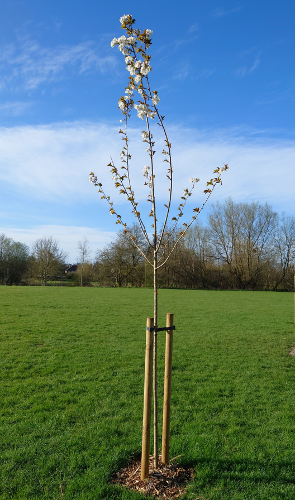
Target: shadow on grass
(209, 471)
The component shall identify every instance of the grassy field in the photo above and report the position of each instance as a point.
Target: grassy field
(72, 364)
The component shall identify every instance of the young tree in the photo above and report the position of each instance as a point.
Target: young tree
(47, 259)
(134, 46)
(83, 256)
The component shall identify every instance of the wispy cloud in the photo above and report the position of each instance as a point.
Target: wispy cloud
(244, 70)
(277, 92)
(27, 64)
(220, 12)
(205, 73)
(182, 71)
(14, 108)
(193, 28)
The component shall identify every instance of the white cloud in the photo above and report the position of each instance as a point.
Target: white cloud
(193, 28)
(67, 236)
(205, 73)
(52, 163)
(28, 65)
(244, 70)
(14, 108)
(220, 12)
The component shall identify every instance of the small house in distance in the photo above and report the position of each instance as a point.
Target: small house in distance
(71, 268)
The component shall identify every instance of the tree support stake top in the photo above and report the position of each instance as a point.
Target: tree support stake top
(165, 329)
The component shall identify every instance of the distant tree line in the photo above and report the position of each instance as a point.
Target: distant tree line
(244, 246)
(20, 266)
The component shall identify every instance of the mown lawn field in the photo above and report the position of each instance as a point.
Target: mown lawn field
(72, 366)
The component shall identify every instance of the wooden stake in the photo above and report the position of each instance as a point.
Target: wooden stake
(167, 390)
(147, 400)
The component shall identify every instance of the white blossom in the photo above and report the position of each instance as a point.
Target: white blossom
(122, 39)
(131, 69)
(144, 135)
(145, 68)
(137, 78)
(141, 110)
(140, 91)
(194, 179)
(131, 40)
(124, 50)
(137, 64)
(145, 171)
(114, 42)
(151, 114)
(122, 155)
(123, 18)
(155, 99)
(121, 104)
(128, 59)
(148, 33)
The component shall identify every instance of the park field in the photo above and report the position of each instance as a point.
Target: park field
(72, 369)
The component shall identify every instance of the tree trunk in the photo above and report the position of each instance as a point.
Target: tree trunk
(156, 456)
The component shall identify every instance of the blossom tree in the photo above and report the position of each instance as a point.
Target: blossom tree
(134, 46)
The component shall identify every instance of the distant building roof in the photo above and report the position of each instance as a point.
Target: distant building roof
(71, 268)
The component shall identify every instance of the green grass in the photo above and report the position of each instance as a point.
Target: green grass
(72, 364)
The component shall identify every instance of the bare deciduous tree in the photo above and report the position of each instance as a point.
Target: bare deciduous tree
(47, 259)
(241, 234)
(83, 256)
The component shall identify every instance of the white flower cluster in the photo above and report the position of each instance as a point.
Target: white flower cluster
(146, 171)
(143, 110)
(144, 135)
(148, 34)
(138, 68)
(123, 18)
(155, 99)
(194, 179)
(220, 170)
(93, 179)
(124, 44)
(116, 177)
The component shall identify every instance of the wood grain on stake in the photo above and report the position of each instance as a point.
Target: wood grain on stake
(167, 389)
(147, 400)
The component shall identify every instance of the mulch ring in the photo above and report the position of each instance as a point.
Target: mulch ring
(167, 481)
(292, 353)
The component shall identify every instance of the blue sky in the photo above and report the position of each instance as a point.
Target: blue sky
(225, 76)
